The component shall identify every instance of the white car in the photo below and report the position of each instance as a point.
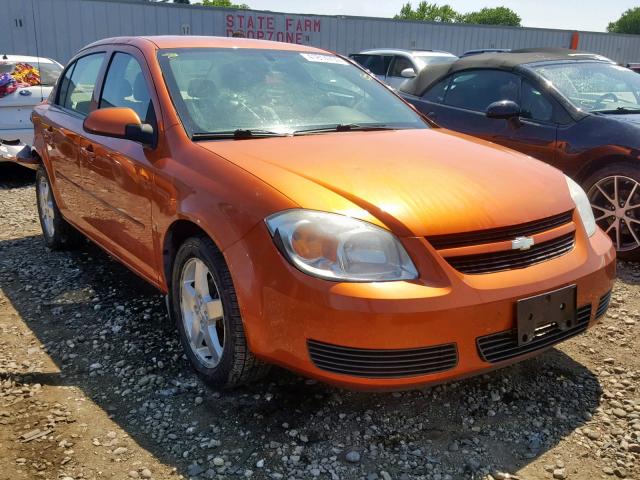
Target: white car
(18, 99)
(393, 66)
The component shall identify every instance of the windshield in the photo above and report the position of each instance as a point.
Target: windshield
(223, 90)
(595, 86)
(28, 73)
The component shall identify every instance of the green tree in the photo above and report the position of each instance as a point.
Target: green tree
(629, 22)
(430, 12)
(224, 3)
(492, 16)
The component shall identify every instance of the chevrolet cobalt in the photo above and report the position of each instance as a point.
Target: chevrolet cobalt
(297, 212)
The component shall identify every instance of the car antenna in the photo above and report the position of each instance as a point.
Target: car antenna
(35, 33)
(4, 57)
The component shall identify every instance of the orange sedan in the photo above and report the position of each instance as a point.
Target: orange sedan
(297, 212)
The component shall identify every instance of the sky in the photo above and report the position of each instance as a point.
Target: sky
(590, 15)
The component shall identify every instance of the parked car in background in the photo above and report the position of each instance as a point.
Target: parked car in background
(393, 66)
(478, 51)
(576, 111)
(297, 212)
(24, 82)
(634, 66)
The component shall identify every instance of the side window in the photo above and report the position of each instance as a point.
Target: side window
(436, 93)
(399, 64)
(477, 89)
(534, 105)
(125, 86)
(76, 90)
(376, 64)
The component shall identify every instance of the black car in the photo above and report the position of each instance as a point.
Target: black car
(580, 112)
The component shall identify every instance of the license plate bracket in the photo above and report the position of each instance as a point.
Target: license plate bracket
(558, 306)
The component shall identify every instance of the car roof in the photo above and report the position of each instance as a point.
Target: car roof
(495, 60)
(395, 51)
(194, 41)
(24, 58)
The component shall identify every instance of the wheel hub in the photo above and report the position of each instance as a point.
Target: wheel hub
(202, 313)
(616, 205)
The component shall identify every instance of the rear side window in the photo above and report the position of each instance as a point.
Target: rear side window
(476, 90)
(76, 88)
(125, 86)
(376, 64)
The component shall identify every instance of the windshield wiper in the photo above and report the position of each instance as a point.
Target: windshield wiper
(239, 133)
(620, 110)
(345, 127)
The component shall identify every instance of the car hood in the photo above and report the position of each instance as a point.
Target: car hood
(632, 118)
(415, 182)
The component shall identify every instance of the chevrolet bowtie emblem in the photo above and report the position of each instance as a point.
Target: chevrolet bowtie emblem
(522, 243)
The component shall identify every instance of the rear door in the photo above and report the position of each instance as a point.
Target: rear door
(118, 173)
(62, 130)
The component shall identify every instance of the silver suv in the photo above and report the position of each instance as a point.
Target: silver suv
(393, 66)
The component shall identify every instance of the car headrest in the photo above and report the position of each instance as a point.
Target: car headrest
(201, 87)
(123, 89)
(140, 91)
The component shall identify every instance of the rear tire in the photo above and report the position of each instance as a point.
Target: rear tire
(614, 193)
(204, 305)
(58, 233)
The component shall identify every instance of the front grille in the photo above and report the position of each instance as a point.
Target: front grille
(512, 259)
(603, 304)
(501, 234)
(502, 346)
(372, 363)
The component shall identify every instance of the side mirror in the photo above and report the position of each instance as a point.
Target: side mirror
(503, 109)
(408, 73)
(119, 122)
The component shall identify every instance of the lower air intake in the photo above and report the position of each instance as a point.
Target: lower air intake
(603, 304)
(373, 363)
(502, 346)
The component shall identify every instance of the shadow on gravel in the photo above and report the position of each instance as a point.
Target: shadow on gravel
(107, 332)
(13, 175)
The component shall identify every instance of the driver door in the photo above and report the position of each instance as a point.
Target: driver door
(119, 172)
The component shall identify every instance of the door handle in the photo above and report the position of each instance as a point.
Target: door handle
(88, 152)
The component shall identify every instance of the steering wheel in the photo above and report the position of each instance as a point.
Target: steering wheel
(614, 98)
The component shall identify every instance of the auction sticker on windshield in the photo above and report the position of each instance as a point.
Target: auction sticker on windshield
(314, 57)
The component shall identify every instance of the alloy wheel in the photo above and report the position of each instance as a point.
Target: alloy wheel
(47, 210)
(202, 312)
(616, 206)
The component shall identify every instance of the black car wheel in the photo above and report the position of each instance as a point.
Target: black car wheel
(614, 193)
(205, 308)
(58, 233)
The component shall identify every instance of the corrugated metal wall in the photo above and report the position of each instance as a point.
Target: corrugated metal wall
(64, 26)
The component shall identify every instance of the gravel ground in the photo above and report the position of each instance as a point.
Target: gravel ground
(93, 384)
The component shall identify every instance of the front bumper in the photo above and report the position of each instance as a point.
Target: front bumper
(288, 314)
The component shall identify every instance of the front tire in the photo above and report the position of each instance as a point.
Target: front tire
(58, 233)
(614, 194)
(205, 308)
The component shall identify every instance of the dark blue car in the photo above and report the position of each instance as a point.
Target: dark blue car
(579, 112)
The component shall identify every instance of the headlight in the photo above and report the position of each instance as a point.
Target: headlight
(583, 205)
(337, 247)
